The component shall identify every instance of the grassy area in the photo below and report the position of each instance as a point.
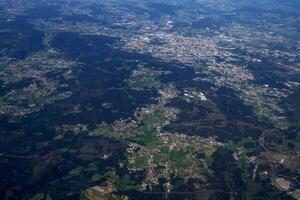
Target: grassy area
(122, 184)
(141, 162)
(243, 165)
(154, 119)
(106, 131)
(160, 158)
(90, 172)
(248, 145)
(179, 159)
(165, 149)
(145, 82)
(149, 139)
(208, 155)
(2, 66)
(125, 184)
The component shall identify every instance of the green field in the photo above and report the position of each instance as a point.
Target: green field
(149, 139)
(145, 82)
(2, 65)
(125, 183)
(141, 162)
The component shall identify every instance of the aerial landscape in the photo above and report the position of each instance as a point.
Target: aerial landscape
(149, 99)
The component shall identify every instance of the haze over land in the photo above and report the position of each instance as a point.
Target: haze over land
(149, 99)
